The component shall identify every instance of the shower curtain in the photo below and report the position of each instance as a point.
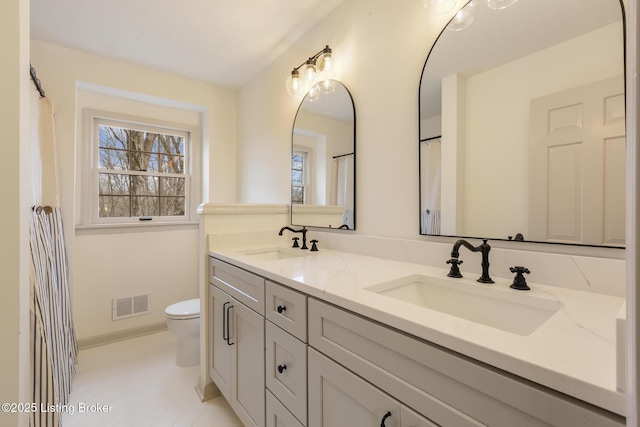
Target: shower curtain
(344, 187)
(431, 180)
(53, 342)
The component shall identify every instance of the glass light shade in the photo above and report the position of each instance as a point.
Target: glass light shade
(325, 65)
(439, 7)
(463, 18)
(326, 86)
(313, 94)
(500, 4)
(294, 84)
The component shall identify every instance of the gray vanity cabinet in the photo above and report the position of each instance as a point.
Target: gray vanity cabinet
(237, 341)
(448, 388)
(314, 364)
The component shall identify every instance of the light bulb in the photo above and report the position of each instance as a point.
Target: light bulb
(500, 4)
(294, 83)
(310, 72)
(439, 7)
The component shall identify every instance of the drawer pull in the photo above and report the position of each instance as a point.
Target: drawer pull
(281, 308)
(228, 320)
(225, 328)
(387, 415)
(281, 368)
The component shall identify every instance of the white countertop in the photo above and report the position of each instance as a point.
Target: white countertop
(573, 352)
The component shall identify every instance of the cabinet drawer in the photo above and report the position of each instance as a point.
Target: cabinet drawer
(286, 369)
(277, 414)
(287, 309)
(448, 388)
(244, 286)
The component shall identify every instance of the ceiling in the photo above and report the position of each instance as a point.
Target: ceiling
(225, 42)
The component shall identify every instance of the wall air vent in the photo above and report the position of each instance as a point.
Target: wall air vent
(130, 306)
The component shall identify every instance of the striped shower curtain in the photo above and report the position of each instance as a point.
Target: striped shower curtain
(53, 342)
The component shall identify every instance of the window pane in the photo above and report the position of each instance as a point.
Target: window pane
(172, 206)
(296, 177)
(297, 195)
(172, 186)
(144, 185)
(112, 137)
(111, 184)
(114, 206)
(144, 206)
(170, 164)
(113, 159)
(296, 161)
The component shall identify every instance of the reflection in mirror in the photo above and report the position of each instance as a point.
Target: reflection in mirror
(323, 159)
(522, 125)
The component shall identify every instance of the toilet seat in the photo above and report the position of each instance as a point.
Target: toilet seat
(184, 310)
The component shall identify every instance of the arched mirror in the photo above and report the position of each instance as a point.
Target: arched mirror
(522, 115)
(323, 159)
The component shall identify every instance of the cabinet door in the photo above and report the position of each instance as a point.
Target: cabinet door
(220, 351)
(337, 397)
(246, 336)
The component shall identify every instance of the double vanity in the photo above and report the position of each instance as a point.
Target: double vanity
(332, 337)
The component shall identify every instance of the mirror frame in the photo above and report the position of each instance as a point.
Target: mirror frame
(353, 109)
(421, 140)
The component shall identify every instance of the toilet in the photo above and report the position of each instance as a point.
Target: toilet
(183, 320)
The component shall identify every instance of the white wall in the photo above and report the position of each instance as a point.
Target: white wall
(14, 217)
(381, 47)
(142, 255)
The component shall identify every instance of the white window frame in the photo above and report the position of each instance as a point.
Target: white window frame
(90, 170)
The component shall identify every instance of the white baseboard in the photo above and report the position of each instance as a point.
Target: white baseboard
(95, 341)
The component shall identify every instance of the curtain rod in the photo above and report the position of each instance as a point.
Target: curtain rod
(36, 80)
(342, 155)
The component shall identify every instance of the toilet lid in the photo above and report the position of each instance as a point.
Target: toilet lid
(189, 309)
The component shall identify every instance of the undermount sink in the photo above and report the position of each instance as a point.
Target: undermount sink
(274, 254)
(511, 311)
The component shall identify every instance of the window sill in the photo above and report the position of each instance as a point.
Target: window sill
(87, 229)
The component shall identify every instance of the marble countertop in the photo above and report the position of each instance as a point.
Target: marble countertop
(573, 352)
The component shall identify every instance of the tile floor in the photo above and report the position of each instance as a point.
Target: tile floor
(140, 384)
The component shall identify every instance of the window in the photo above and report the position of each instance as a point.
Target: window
(140, 172)
(299, 176)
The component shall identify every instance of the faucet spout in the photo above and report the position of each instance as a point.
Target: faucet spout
(483, 248)
(303, 230)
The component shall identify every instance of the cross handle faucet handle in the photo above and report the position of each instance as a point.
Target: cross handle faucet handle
(519, 282)
(455, 270)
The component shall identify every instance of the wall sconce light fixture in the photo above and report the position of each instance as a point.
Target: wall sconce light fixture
(315, 73)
